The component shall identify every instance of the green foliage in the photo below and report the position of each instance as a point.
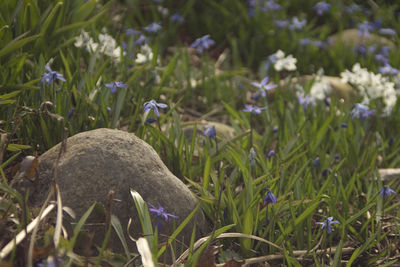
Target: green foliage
(213, 86)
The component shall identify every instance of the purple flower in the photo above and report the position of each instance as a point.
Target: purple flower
(202, 43)
(387, 31)
(361, 110)
(71, 112)
(271, 154)
(364, 28)
(344, 125)
(160, 212)
(51, 75)
(386, 191)
(297, 24)
(272, 6)
(361, 49)
(381, 59)
(153, 27)
(321, 7)
(352, 8)
(269, 198)
(132, 32)
(385, 50)
(177, 17)
(281, 23)
(306, 41)
(210, 131)
(252, 109)
(115, 85)
(388, 70)
(328, 224)
(305, 101)
(316, 162)
(141, 40)
(152, 104)
(150, 120)
(263, 86)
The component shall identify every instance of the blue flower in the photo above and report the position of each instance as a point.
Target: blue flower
(328, 224)
(263, 86)
(386, 191)
(253, 109)
(153, 27)
(344, 125)
(177, 17)
(202, 43)
(210, 131)
(381, 59)
(364, 28)
(361, 110)
(160, 212)
(305, 101)
(132, 32)
(71, 112)
(271, 154)
(269, 198)
(152, 104)
(143, 39)
(51, 75)
(388, 70)
(297, 24)
(306, 41)
(353, 8)
(321, 8)
(281, 23)
(387, 31)
(316, 162)
(115, 85)
(272, 6)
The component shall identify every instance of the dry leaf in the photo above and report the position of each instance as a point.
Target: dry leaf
(233, 263)
(207, 258)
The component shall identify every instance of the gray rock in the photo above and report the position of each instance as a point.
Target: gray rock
(388, 175)
(339, 88)
(351, 37)
(104, 159)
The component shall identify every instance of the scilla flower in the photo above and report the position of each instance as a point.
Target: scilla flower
(153, 105)
(210, 131)
(386, 191)
(264, 86)
(328, 224)
(202, 43)
(269, 198)
(115, 85)
(51, 75)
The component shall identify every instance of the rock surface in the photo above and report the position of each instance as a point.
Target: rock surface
(351, 37)
(104, 159)
(388, 175)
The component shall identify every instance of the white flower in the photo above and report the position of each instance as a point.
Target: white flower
(321, 88)
(107, 45)
(145, 55)
(82, 39)
(283, 63)
(371, 86)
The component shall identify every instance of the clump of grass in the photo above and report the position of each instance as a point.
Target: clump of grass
(89, 64)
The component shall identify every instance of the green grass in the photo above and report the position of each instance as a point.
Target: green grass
(215, 86)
